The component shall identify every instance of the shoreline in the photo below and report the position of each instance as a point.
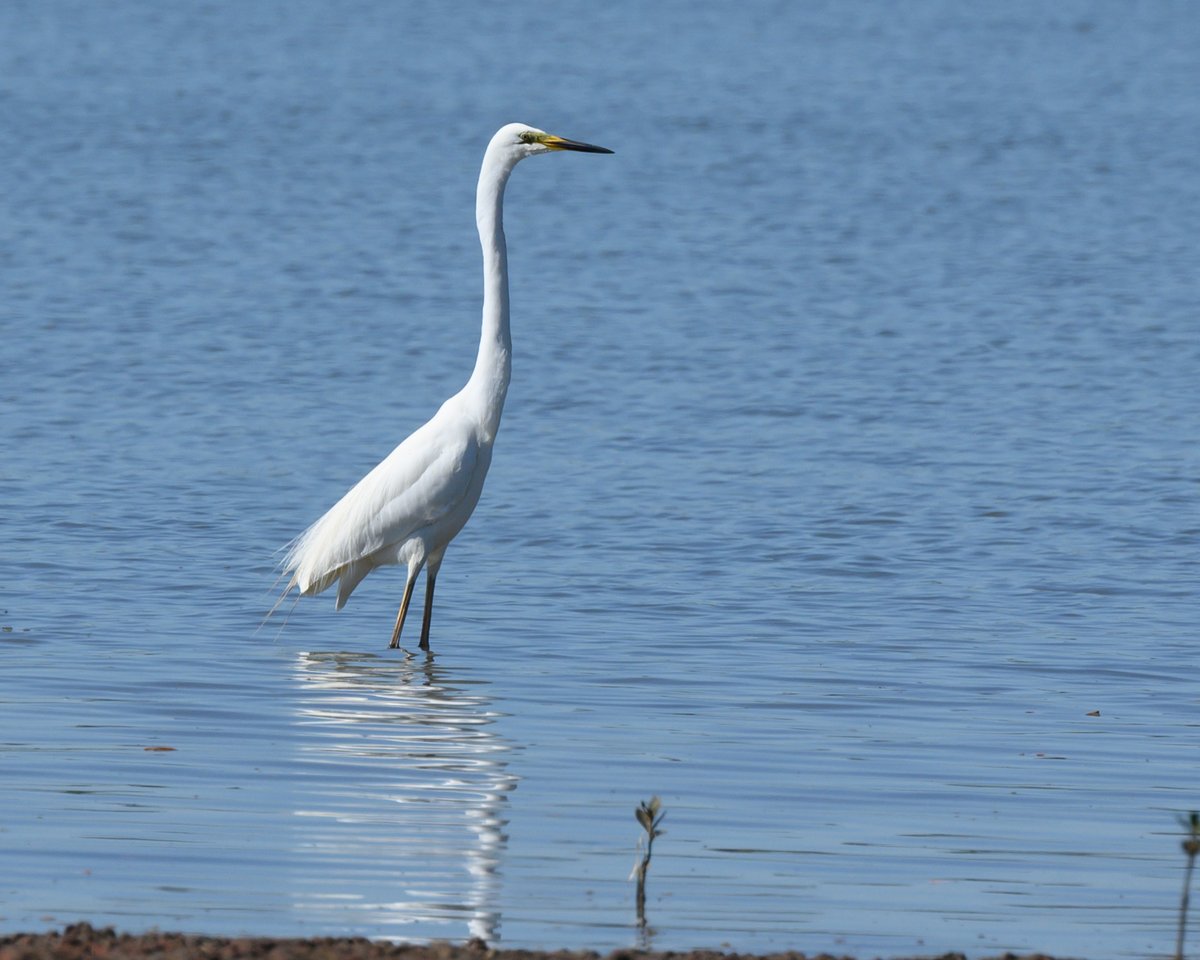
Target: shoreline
(82, 941)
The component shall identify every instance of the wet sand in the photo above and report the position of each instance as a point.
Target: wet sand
(85, 942)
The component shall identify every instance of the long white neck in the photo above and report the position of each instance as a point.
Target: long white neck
(488, 385)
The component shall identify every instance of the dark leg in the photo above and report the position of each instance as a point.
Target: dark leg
(430, 580)
(408, 589)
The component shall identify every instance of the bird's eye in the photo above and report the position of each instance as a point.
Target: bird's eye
(528, 136)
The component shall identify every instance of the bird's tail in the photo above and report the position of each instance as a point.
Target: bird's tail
(286, 569)
(303, 580)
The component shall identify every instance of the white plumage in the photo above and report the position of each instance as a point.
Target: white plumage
(412, 504)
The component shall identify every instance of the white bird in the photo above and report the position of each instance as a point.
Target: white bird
(411, 505)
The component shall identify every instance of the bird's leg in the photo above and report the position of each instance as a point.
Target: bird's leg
(408, 589)
(430, 580)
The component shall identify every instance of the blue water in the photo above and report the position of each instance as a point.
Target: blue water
(846, 496)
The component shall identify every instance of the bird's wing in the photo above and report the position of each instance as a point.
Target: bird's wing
(417, 484)
(434, 496)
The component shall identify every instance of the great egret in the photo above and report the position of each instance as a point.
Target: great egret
(411, 505)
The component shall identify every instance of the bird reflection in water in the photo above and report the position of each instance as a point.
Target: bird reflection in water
(402, 819)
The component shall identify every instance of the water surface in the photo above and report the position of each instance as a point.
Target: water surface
(845, 498)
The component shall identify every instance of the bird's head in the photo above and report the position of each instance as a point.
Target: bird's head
(521, 140)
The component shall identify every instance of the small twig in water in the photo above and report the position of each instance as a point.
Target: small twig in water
(649, 815)
(1191, 847)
